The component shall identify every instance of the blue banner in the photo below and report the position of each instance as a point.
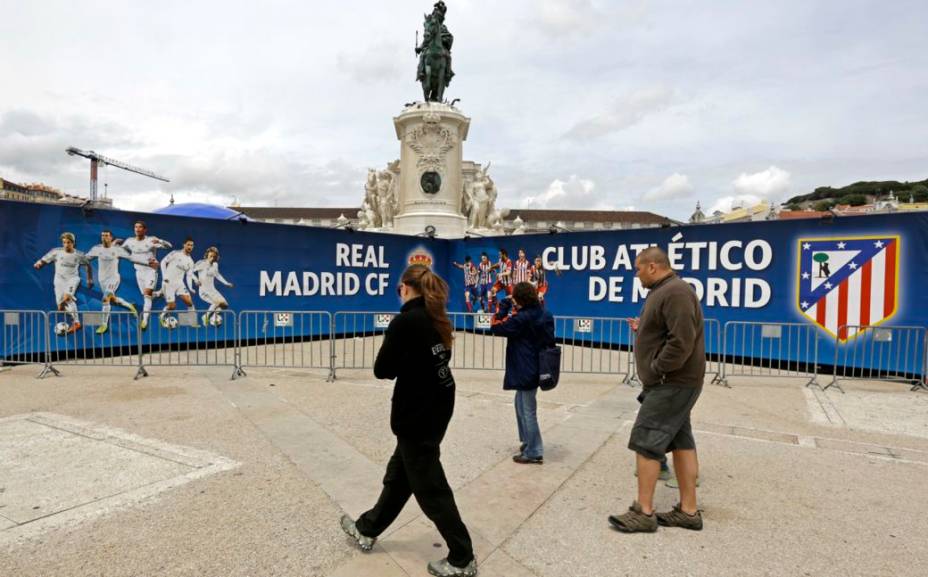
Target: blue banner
(825, 273)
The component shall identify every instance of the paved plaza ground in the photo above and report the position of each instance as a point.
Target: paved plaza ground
(189, 473)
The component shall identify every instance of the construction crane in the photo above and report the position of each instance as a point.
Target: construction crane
(97, 159)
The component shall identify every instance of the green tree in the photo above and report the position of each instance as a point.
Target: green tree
(823, 205)
(853, 200)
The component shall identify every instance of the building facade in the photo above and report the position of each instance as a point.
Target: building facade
(518, 221)
(42, 193)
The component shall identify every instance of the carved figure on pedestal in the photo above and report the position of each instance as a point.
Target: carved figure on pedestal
(495, 220)
(467, 201)
(371, 200)
(367, 218)
(480, 199)
(387, 200)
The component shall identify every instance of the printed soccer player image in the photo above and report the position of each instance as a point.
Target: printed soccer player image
(540, 280)
(67, 261)
(503, 279)
(471, 275)
(108, 255)
(142, 245)
(177, 280)
(521, 269)
(206, 272)
(484, 281)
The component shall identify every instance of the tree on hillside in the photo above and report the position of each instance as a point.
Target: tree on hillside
(853, 200)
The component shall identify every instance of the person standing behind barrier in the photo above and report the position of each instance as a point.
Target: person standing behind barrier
(416, 351)
(671, 361)
(528, 330)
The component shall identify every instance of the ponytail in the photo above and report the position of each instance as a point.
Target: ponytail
(434, 290)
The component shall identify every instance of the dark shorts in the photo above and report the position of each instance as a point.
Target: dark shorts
(663, 422)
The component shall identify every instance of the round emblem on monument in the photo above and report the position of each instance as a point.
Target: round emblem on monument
(430, 182)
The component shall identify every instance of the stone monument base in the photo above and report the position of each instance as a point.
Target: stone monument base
(446, 225)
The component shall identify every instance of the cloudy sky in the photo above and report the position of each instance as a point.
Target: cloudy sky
(577, 103)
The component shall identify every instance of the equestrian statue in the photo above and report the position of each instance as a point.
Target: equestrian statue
(435, 55)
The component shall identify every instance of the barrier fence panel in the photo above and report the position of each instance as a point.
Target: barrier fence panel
(357, 336)
(712, 331)
(285, 339)
(595, 345)
(770, 350)
(474, 346)
(189, 338)
(880, 353)
(23, 337)
(100, 339)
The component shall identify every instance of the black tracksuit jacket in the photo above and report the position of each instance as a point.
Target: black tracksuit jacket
(413, 354)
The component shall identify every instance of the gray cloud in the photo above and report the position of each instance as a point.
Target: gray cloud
(377, 63)
(291, 105)
(624, 113)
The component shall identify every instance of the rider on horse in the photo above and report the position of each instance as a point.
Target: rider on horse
(437, 37)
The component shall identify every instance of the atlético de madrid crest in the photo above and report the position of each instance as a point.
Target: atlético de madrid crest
(846, 283)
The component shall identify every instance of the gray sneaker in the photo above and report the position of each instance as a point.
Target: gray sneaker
(634, 521)
(444, 569)
(677, 518)
(348, 526)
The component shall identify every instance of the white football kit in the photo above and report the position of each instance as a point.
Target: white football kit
(207, 273)
(67, 277)
(145, 249)
(176, 268)
(108, 271)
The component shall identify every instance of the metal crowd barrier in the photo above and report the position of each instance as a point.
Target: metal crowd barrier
(285, 339)
(184, 338)
(715, 352)
(84, 346)
(712, 336)
(356, 338)
(770, 350)
(23, 337)
(589, 344)
(319, 339)
(881, 353)
(596, 345)
(474, 346)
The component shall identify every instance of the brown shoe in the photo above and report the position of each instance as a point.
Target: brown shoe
(523, 460)
(677, 518)
(634, 520)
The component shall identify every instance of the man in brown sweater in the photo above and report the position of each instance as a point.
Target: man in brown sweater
(671, 360)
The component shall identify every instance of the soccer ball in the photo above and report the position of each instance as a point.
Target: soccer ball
(169, 323)
(216, 320)
(61, 329)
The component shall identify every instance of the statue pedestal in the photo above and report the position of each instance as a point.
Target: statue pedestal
(430, 189)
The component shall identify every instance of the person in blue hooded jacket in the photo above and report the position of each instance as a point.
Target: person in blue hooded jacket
(528, 329)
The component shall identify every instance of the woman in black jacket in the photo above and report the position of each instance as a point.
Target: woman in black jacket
(416, 351)
(528, 331)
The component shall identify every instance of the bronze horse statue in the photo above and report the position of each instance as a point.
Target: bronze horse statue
(435, 56)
